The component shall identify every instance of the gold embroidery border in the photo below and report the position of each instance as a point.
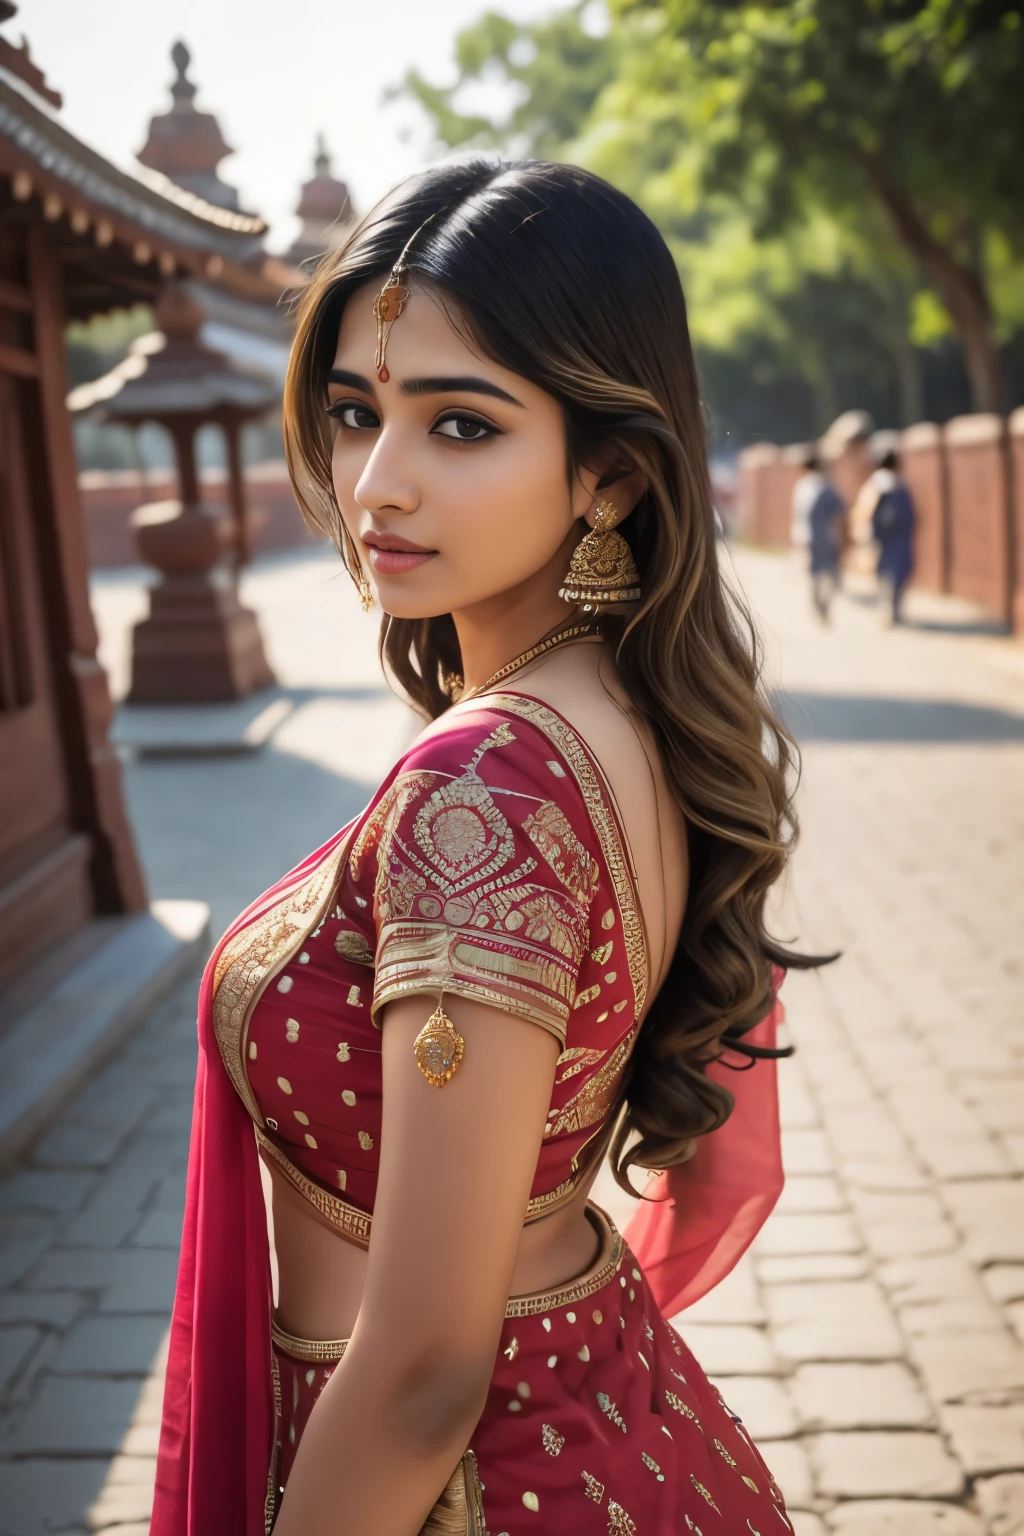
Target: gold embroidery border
(603, 1270)
(508, 1003)
(599, 801)
(251, 958)
(347, 1219)
(323, 1351)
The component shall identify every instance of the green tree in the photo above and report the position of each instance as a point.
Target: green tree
(554, 70)
(910, 105)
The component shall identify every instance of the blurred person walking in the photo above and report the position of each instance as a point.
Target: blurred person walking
(884, 509)
(818, 512)
(892, 527)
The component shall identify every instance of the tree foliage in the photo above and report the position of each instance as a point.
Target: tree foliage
(554, 71)
(912, 105)
(835, 176)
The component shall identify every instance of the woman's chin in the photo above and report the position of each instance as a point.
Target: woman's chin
(409, 605)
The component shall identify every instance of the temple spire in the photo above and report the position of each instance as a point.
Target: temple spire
(187, 145)
(325, 209)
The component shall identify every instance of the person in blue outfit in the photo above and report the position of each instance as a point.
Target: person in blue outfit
(818, 513)
(892, 528)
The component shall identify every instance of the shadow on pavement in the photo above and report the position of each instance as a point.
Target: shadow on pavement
(867, 717)
(985, 627)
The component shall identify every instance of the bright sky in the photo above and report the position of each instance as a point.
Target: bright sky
(274, 73)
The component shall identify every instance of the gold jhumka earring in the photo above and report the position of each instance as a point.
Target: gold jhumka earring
(438, 1048)
(365, 591)
(602, 573)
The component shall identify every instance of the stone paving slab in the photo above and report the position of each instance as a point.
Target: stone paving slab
(872, 1341)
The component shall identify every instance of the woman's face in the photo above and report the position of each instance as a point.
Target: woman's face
(452, 476)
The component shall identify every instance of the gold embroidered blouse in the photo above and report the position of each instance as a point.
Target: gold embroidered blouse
(490, 864)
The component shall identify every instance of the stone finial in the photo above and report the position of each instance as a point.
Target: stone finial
(183, 91)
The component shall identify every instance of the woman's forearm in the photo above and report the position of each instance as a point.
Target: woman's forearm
(378, 1451)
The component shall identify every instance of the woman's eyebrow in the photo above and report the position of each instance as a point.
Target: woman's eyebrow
(461, 384)
(353, 380)
(456, 384)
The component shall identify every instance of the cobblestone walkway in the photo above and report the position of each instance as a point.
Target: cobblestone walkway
(872, 1342)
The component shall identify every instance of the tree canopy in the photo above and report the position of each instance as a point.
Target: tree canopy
(833, 175)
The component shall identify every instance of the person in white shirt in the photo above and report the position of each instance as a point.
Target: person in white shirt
(817, 521)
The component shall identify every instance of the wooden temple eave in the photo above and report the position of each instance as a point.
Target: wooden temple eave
(139, 230)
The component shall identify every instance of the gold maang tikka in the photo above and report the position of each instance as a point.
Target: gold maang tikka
(390, 302)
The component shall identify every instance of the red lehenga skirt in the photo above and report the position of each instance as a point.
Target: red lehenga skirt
(599, 1422)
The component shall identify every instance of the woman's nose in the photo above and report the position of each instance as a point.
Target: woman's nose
(384, 485)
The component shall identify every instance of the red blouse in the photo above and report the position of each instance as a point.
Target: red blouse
(490, 865)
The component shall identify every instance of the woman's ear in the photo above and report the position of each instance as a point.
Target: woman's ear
(622, 490)
(613, 480)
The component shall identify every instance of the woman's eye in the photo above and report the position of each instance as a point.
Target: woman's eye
(466, 429)
(352, 414)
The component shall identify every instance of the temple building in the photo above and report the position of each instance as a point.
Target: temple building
(78, 237)
(325, 209)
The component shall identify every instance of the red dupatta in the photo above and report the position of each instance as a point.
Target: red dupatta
(698, 1219)
(215, 1442)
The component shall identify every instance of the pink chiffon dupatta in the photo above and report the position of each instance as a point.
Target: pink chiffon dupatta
(217, 1434)
(217, 1423)
(698, 1219)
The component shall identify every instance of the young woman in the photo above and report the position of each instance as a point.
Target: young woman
(544, 936)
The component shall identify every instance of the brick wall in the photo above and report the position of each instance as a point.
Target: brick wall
(977, 471)
(767, 475)
(1016, 457)
(108, 499)
(923, 466)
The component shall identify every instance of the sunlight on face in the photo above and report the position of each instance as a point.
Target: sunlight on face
(451, 477)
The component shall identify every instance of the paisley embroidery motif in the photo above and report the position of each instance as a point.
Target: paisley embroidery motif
(551, 1440)
(353, 946)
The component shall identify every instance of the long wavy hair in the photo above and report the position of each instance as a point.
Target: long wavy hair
(559, 277)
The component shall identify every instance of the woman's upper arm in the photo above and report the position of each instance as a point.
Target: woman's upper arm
(456, 1167)
(485, 875)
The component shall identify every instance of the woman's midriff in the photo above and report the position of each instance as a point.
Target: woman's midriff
(322, 1276)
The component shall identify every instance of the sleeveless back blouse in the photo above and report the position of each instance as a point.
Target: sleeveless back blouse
(491, 864)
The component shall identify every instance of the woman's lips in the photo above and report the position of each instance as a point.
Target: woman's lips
(390, 554)
(391, 562)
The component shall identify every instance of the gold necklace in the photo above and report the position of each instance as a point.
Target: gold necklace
(551, 643)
